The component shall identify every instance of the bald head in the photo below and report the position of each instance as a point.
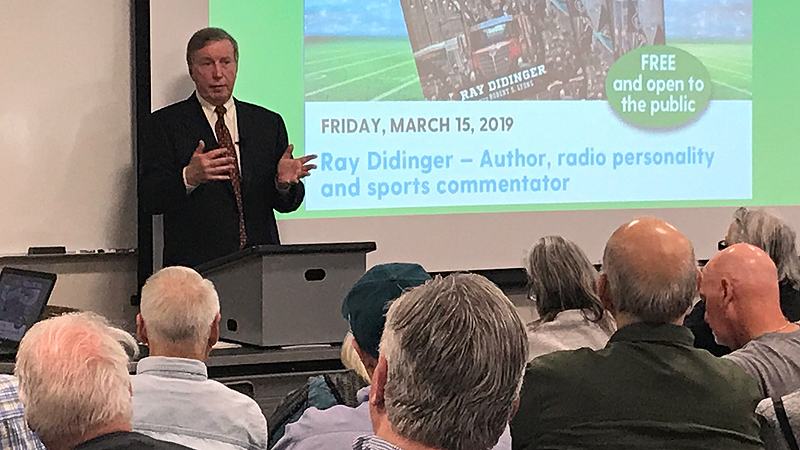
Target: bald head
(740, 286)
(649, 271)
(748, 268)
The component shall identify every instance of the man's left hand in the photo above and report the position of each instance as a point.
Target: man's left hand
(291, 170)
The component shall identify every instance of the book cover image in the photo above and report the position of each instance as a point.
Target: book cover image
(529, 49)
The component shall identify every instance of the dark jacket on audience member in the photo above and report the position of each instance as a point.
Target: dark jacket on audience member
(703, 336)
(647, 389)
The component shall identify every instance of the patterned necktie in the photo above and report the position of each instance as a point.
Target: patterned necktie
(226, 141)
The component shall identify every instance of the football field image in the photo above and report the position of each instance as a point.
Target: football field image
(729, 64)
(360, 69)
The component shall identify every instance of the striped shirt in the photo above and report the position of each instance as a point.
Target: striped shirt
(14, 431)
(372, 443)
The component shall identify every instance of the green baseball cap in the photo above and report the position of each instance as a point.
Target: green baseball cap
(366, 303)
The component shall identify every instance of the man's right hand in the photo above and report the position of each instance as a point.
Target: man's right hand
(214, 165)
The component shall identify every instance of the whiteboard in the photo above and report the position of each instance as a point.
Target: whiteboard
(65, 125)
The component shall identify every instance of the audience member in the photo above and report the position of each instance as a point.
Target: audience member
(563, 283)
(780, 421)
(450, 368)
(350, 358)
(15, 434)
(173, 399)
(365, 309)
(322, 392)
(75, 387)
(649, 387)
(740, 287)
(769, 233)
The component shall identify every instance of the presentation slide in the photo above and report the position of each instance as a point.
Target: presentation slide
(454, 106)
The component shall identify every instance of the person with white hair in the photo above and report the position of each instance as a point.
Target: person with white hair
(173, 399)
(649, 387)
(75, 387)
(450, 368)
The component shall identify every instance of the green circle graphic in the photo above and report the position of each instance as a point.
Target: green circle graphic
(658, 86)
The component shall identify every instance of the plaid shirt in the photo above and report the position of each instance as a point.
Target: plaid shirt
(14, 432)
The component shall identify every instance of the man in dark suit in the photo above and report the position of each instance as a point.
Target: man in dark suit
(216, 167)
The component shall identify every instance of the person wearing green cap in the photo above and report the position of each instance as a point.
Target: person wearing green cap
(364, 307)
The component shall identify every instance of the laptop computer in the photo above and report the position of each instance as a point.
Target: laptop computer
(23, 297)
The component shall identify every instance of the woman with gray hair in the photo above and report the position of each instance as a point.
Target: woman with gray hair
(769, 233)
(562, 282)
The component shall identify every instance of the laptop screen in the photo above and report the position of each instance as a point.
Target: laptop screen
(23, 296)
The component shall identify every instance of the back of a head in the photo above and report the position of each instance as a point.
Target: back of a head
(73, 377)
(651, 271)
(178, 306)
(769, 233)
(456, 352)
(562, 278)
(744, 275)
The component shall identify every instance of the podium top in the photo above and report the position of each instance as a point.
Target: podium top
(291, 249)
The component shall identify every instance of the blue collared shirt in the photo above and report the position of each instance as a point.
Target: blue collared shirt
(337, 428)
(173, 400)
(14, 431)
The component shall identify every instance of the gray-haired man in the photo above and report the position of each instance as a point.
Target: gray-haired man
(450, 368)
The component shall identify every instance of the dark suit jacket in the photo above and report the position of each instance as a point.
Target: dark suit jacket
(203, 225)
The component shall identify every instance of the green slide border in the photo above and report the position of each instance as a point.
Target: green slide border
(270, 34)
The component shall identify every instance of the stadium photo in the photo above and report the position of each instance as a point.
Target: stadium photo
(410, 50)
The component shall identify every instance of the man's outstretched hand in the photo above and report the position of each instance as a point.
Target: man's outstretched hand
(214, 165)
(291, 170)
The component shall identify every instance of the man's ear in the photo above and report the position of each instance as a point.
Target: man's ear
(213, 337)
(727, 293)
(378, 385)
(603, 294)
(514, 409)
(141, 329)
(699, 279)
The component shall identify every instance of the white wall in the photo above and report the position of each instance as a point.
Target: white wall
(66, 146)
(65, 125)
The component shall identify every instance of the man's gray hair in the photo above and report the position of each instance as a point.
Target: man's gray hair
(769, 233)
(456, 352)
(178, 306)
(560, 277)
(649, 298)
(203, 37)
(73, 376)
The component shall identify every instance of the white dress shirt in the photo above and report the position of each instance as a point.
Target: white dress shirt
(230, 122)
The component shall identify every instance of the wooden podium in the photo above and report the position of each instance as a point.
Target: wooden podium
(281, 295)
